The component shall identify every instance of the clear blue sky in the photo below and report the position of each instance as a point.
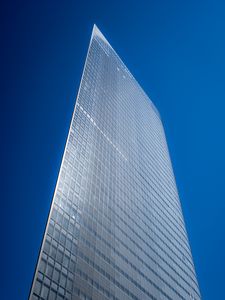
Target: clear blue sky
(176, 50)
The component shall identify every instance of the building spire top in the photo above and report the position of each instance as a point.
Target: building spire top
(97, 32)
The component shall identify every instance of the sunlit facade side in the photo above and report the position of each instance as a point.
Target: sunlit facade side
(115, 228)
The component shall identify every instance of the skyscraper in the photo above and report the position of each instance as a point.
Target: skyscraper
(115, 228)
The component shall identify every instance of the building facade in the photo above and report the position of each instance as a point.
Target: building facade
(115, 229)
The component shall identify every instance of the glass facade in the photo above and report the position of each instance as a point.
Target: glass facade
(115, 228)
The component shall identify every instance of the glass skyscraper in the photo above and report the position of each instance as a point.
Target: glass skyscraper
(115, 228)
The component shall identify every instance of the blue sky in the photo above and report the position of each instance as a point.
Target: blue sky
(175, 49)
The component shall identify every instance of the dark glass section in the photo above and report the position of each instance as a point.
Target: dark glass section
(115, 229)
